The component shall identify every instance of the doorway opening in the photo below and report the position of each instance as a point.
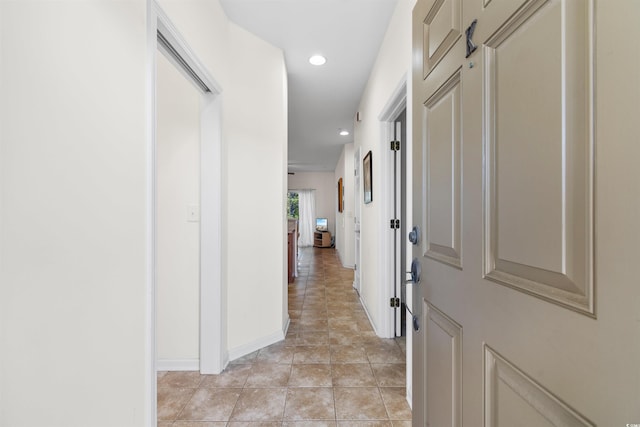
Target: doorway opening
(204, 211)
(396, 144)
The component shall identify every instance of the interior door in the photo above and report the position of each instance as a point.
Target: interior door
(527, 308)
(356, 218)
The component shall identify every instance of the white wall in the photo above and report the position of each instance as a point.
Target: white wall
(178, 238)
(345, 237)
(392, 65)
(326, 193)
(73, 218)
(74, 212)
(256, 133)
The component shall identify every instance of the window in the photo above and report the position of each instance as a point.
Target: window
(293, 210)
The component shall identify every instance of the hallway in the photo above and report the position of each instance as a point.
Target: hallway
(331, 370)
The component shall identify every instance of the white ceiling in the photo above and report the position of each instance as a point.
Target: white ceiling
(322, 99)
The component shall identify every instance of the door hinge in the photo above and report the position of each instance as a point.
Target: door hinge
(395, 145)
(394, 224)
(394, 302)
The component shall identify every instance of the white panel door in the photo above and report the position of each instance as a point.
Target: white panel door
(527, 193)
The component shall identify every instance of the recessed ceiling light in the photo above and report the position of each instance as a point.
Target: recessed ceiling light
(344, 132)
(317, 60)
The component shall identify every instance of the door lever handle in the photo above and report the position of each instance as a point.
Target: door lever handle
(415, 307)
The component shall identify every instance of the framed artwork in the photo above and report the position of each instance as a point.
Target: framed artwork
(368, 178)
(340, 196)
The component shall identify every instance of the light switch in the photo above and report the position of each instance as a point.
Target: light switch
(193, 213)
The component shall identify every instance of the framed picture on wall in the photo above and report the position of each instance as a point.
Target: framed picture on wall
(340, 196)
(368, 178)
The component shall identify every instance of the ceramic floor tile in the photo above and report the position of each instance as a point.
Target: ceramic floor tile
(395, 400)
(171, 401)
(314, 324)
(308, 338)
(364, 325)
(342, 325)
(390, 375)
(344, 314)
(261, 404)
(309, 404)
(180, 379)
(318, 375)
(232, 376)
(348, 354)
(254, 424)
(352, 375)
(385, 354)
(208, 404)
(317, 297)
(198, 424)
(314, 305)
(312, 354)
(359, 403)
(344, 337)
(247, 359)
(310, 313)
(309, 379)
(364, 424)
(268, 375)
(275, 354)
(316, 423)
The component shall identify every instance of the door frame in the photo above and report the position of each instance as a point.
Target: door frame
(392, 109)
(357, 172)
(213, 353)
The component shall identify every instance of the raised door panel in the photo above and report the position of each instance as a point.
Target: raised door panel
(513, 398)
(442, 27)
(443, 367)
(443, 172)
(539, 152)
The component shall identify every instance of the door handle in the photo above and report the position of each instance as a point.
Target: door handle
(415, 307)
(414, 235)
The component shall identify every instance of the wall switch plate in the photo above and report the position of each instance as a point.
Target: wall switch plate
(193, 213)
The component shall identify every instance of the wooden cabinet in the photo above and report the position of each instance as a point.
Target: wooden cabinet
(322, 239)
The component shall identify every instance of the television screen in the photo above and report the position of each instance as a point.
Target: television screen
(321, 224)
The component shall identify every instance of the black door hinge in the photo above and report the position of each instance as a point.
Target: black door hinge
(394, 224)
(395, 145)
(394, 302)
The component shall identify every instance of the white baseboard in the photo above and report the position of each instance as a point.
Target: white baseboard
(285, 326)
(243, 350)
(373, 324)
(342, 261)
(178, 365)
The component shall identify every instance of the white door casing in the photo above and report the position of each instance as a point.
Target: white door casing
(390, 266)
(528, 294)
(213, 353)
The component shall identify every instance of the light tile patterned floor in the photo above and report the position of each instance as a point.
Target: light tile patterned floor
(331, 370)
